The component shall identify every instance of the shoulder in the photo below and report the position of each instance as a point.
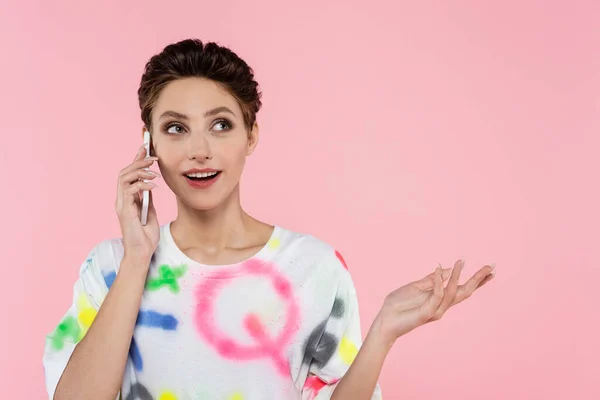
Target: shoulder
(319, 273)
(107, 251)
(312, 253)
(103, 261)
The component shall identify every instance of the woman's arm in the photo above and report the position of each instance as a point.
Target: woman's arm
(361, 378)
(404, 310)
(95, 369)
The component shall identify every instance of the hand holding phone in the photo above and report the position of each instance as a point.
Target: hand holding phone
(135, 182)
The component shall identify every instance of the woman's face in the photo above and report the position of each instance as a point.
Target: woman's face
(198, 130)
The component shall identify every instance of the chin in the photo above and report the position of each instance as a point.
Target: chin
(202, 202)
(204, 205)
(205, 199)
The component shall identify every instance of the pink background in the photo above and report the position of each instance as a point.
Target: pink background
(402, 134)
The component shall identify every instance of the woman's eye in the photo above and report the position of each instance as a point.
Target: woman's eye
(175, 129)
(222, 125)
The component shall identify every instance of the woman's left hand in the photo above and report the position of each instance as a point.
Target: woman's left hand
(426, 300)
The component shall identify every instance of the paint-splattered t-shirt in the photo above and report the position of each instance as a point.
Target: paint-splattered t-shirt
(283, 324)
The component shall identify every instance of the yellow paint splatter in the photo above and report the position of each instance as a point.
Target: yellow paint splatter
(236, 396)
(274, 243)
(348, 350)
(86, 315)
(167, 396)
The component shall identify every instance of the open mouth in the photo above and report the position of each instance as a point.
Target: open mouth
(203, 176)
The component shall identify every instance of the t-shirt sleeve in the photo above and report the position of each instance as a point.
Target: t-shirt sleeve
(339, 342)
(88, 293)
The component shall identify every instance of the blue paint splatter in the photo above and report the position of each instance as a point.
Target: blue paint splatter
(149, 319)
(136, 356)
(153, 319)
(109, 278)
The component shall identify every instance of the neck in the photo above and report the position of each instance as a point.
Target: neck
(224, 226)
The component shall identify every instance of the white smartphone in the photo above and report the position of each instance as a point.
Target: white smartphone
(145, 193)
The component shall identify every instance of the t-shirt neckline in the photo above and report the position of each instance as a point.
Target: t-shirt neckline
(263, 254)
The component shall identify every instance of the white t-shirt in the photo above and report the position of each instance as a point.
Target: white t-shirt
(283, 324)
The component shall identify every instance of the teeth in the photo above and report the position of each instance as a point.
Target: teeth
(201, 175)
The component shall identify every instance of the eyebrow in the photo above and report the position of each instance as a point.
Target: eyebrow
(209, 113)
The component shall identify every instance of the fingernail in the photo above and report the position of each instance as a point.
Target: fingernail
(493, 265)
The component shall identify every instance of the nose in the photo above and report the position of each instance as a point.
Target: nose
(199, 147)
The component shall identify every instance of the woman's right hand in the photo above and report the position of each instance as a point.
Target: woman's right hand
(139, 240)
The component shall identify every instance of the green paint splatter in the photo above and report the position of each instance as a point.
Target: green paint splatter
(167, 276)
(68, 328)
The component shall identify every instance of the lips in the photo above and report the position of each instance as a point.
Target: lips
(202, 176)
(194, 171)
(202, 180)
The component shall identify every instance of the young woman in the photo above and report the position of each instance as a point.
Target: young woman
(216, 304)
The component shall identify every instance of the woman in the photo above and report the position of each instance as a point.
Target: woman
(216, 304)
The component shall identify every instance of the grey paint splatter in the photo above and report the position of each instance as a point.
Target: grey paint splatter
(338, 309)
(139, 392)
(320, 346)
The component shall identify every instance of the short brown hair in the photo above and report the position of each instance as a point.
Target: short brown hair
(192, 58)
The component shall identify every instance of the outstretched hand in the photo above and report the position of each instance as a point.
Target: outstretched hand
(426, 300)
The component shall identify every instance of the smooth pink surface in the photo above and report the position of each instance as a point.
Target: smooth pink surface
(402, 133)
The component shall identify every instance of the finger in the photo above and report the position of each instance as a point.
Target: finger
(141, 153)
(428, 282)
(450, 290)
(427, 310)
(136, 175)
(466, 290)
(137, 187)
(487, 279)
(127, 181)
(131, 195)
(138, 195)
(139, 164)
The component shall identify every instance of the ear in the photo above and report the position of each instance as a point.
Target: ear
(252, 139)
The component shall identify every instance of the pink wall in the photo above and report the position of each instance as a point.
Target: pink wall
(403, 134)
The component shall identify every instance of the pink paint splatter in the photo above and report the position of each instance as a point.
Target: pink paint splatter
(339, 256)
(257, 331)
(273, 348)
(315, 384)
